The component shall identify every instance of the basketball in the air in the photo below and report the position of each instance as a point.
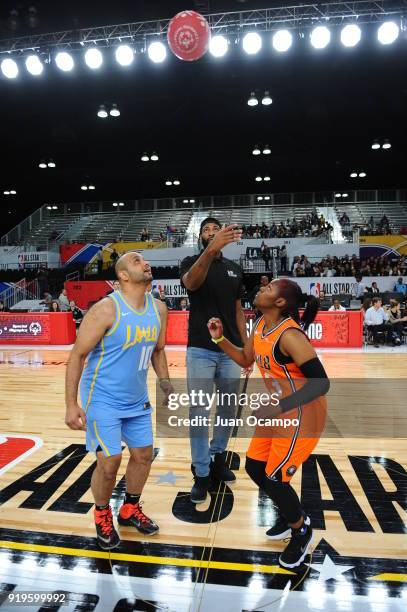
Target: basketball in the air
(188, 35)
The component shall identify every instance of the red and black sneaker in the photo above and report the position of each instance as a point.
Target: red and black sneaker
(107, 535)
(132, 515)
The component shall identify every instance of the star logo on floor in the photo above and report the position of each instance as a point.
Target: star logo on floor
(328, 569)
(168, 478)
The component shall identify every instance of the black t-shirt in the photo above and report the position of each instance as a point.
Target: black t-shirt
(216, 297)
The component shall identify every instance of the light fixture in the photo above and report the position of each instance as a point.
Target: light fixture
(338, 195)
(256, 150)
(13, 192)
(282, 40)
(124, 55)
(6, 192)
(266, 197)
(93, 58)
(258, 178)
(320, 37)
(9, 68)
(114, 112)
(259, 198)
(345, 195)
(252, 43)
(51, 164)
(121, 203)
(49, 207)
(218, 46)
(266, 150)
(145, 157)
(102, 112)
(351, 35)
(266, 178)
(34, 65)
(157, 52)
(168, 182)
(91, 187)
(42, 164)
(154, 157)
(266, 101)
(64, 61)
(55, 208)
(252, 101)
(192, 201)
(115, 204)
(84, 187)
(362, 174)
(353, 174)
(388, 33)
(375, 145)
(386, 144)
(176, 182)
(185, 201)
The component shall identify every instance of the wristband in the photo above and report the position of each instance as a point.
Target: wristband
(217, 340)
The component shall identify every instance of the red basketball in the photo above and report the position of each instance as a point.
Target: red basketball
(189, 35)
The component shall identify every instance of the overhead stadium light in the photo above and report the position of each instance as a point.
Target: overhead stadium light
(145, 157)
(252, 43)
(259, 198)
(92, 187)
(266, 101)
(282, 40)
(320, 37)
(258, 179)
(13, 192)
(34, 65)
(93, 58)
(386, 144)
(157, 52)
(267, 197)
(64, 61)
(84, 187)
(154, 157)
(351, 35)
(177, 182)
(42, 164)
(388, 33)
(256, 150)
(354, 175)
(114, 112)
(102, 112)
(9, 68)
(375, 145)
(124, 55)
(252, 101)
(362, 174)
(266, 150)
(266, 178)
(218, 47)
(51, 164)
(168, 183)
(345, 195)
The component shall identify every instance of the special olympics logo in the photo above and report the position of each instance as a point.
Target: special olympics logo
(35, 328)
(187, 38)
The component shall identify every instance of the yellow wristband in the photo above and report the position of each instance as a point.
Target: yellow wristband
(217, 340)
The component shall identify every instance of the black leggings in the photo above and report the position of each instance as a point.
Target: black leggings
(282, 493)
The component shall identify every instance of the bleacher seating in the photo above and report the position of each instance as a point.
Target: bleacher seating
(360, 213)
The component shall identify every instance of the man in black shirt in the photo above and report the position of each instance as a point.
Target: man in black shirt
(214, 286)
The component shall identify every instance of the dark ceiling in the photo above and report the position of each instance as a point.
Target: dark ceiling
(328, 106)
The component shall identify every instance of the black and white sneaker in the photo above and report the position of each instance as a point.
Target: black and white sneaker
(297, 548)
(282, 530)
(220, 469)
(200, 489)
(279, 531)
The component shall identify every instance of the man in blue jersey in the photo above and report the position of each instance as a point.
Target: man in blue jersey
(120, 335)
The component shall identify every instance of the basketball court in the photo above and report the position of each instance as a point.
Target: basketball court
(209, 557)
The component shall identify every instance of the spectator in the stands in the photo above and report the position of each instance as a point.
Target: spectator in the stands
(100, 260)
(283, 258)
(344, 219)
(47, 298)
(54, 306)
(42, 278)
(64, 300)
(115, 287)
(2, 307)
(114, 256)
(329, 271)
(376, 319)
(360, 288)
(400, 287)
(183, 304)
(167, 300)
(374, 288)
(397, 322)
(161, 237)
(366, 304)
(266, 255)
(76, 312)
(322, 296)
(145, 235)
(336, 306)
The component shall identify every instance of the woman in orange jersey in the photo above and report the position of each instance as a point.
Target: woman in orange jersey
(290, 367)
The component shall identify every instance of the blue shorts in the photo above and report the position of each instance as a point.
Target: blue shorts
(107, 432)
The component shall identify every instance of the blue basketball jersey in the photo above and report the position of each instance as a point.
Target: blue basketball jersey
(115, 376)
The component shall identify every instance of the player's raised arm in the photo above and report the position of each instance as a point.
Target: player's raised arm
(242, 356)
